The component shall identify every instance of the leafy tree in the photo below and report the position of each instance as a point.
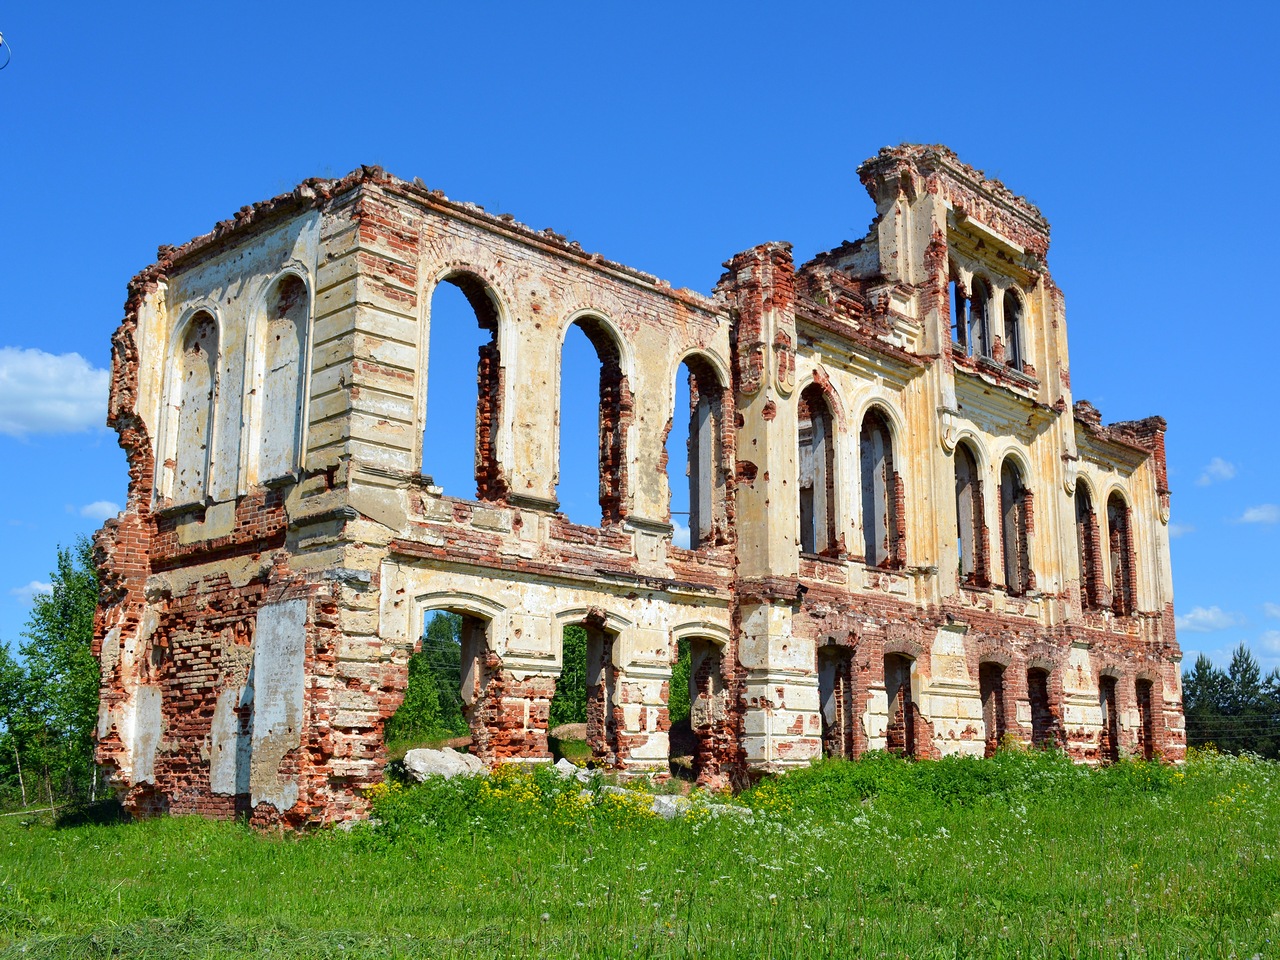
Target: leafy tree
(12, 716)
(569, 705)
(678, 700)
(49, 699)
(432, 708)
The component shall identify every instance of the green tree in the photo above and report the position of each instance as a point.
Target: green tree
(678, 700)
(1204, 691)
(569, 704)
(432, 708)
(1235, 709)
(49, 700)
(13, 687)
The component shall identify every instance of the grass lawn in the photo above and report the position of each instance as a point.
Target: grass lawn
(1022, 856)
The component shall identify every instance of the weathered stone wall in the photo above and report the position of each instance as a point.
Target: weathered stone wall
(283, 540)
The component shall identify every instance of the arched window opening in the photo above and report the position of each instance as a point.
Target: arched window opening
(836, 700)
(284, 366)
(1146, 722)
(582, 717)
(1121, 543)
(193, 398)
(817, 473)
(1013, 329)
(698, 502)
(979, 342)
(901, 733)
(971, 531)
(1015, 522)
(959, 310)
(1044, 723)
(464, 373)
(698, 708)
(1109, 737)
(884, 538)
(446, 685)
(1087, 548)
(991, 689)
(591, 366)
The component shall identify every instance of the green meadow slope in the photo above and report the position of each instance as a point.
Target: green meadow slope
(1021, 856)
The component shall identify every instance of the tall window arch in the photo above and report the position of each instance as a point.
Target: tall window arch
(1013, 333)
(959, 309)
(192, 399)
(284, 367)
(698, 391)
(979, 343)
(882, 494)
(464, 370)
(971, 531)
(1123, 586)
(611, 412)
(1015, 522)
(817, 472)
(1087, 547)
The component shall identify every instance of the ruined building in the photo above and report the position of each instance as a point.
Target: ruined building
(905, 533)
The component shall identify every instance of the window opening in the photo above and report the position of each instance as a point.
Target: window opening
(959, 311)
(979, 343)
(881, 495)
(836, 700)
(583, 709)
(901, 733)
(445, 682)
(970, 529)
(1146, 722)
(1109, 739)
(284, 356)
(991, 689)
(1015, 502)
(1013, 329)
(1043, 721)
(464, 373)
(1087, 548)
(591, 367)
(1121, 543)
(817, 473)
(698, 498)
(193, 406)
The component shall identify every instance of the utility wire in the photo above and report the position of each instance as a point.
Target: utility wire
(8, 51)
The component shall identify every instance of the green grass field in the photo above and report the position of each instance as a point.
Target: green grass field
(1022, 856)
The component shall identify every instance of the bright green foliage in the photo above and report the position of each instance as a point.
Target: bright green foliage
(432, 707)
(678, 700)
(1027, 857)
(1235, 710)
(49, 700)
(569, 705)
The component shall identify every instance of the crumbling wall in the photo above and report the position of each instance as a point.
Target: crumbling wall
(261, 597)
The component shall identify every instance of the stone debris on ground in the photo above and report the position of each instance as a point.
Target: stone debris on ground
(424, 762)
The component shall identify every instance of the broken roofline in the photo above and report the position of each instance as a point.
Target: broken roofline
(935, 158)
(315, 192)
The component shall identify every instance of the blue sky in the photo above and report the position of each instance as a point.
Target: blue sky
(669, 136)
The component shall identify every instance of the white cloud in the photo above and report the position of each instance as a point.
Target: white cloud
(27, 593)
(1202, 620)
(681, 536)
(1263, 513)
(1217, 469)
(1270, 641)
(1272, 610)
(1177, 530)
(49, 393)
(100, 510)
